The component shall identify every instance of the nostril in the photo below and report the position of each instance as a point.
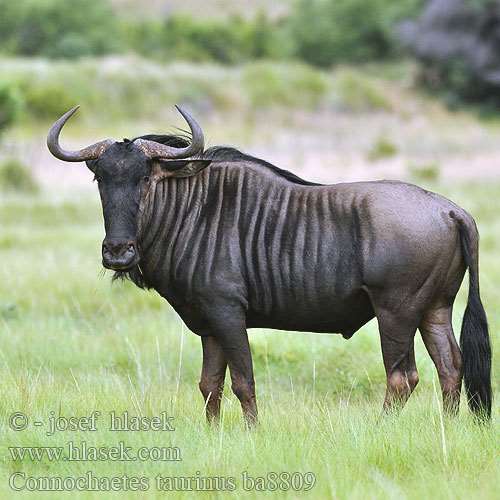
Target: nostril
(112, 250)
(119, 254)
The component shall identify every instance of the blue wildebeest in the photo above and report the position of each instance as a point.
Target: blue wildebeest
(233, 242)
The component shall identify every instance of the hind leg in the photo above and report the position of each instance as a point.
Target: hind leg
(438, 337)
(401, 380)
(396, 336)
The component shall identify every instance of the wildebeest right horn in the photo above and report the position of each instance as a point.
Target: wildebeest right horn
(89, 153)
(154, 149)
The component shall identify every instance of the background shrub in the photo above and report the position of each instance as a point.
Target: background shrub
(228, 41)
(10, 104)
(428, 172)
(326, 32)
(354, 91)
(114, 88)
(319, 32)
(271, 84)
(381, 149)
(458, 43)
(48, 100)
(58, 28)
(15, 176)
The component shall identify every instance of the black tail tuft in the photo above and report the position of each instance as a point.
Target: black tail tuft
(474, 337)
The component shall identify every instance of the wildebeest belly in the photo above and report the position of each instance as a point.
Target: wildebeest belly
(322, 314)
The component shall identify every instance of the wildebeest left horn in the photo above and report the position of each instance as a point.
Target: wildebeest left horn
(156, 150)
(89, 153)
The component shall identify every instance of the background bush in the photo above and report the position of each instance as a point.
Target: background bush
(10, 104)
(287, 85)
(58, 28)
(15, 176)
(319, 32)
(325, 32)
(228, 41)
(113, 91)
(458, 43)
(354, 91)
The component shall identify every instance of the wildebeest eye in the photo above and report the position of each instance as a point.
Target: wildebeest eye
(146, 179)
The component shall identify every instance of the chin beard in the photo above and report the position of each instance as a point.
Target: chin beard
(134, 275)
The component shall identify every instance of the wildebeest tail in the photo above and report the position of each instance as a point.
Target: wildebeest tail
(474, 336)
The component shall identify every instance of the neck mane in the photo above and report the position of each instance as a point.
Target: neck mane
(227, 154)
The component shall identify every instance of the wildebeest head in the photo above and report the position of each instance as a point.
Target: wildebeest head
(125, 171)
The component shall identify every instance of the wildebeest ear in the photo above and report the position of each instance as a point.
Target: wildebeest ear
(179, 168)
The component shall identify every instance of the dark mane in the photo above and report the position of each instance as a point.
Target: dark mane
(175, 140)
(226, 153)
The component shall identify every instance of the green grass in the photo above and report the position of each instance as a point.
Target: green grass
(382, 148)
(73, 343)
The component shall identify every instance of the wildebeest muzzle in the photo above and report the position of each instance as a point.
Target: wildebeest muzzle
(119, 255)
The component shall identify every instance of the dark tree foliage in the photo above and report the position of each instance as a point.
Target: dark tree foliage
(229, 41)
(458, 43)
(319, 32)
(57, 28)
(326, 32)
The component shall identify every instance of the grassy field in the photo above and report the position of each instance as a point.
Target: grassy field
(73, 343)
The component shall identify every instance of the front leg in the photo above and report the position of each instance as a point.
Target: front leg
(213, 373)
(239, 356)
(230, 330)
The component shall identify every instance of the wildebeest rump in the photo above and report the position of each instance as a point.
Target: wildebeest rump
(232, 242)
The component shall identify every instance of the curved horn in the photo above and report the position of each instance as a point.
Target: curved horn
(156, 150)
(89, 153)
